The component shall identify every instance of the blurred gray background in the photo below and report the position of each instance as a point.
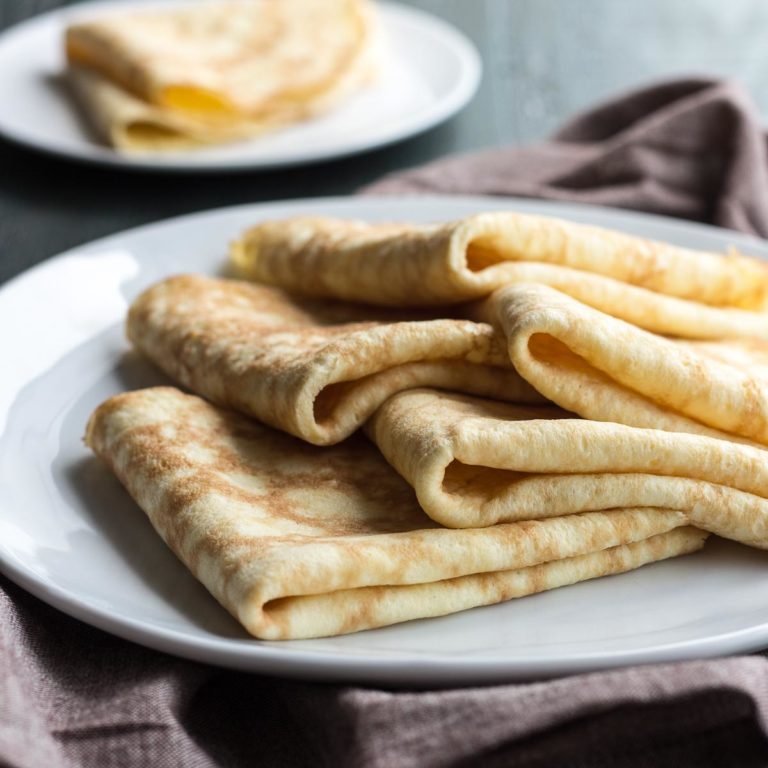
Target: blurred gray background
(545, 59)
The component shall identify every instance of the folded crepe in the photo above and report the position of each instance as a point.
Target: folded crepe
(301, 542)
(217, 71)
(475, 463)
(608, 370)
(131, 125)
(312, 368)
(661, 287)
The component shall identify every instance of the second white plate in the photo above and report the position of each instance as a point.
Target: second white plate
(431, 71)
(71, 535)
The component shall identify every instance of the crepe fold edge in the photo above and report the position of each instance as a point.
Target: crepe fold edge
(382, 606)
(476, 463)
(661, 287)
(131, 125)
(307, 588)
(329, 392)
(605, 369)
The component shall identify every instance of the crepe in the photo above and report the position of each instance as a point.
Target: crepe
(132, 125)
(475, 463)
(297, 541)
(660, 287)
(608, 370)
(211, 72)
(315, 369)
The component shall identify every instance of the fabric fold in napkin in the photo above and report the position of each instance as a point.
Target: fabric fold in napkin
(476, 462)
(299, 542)
(315, 369)
(661, 287)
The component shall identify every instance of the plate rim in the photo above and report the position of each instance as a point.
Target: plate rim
(364, 667)
(463, 90)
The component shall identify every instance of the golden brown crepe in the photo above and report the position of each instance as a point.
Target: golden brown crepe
(217, 71)
(663, 288)
(315, 369)
(607, 370)
(297, 541)
(475, 463)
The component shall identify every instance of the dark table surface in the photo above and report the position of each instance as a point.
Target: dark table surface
(544, 59)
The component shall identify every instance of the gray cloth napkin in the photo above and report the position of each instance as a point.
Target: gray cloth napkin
(688, 148)
(71, 695)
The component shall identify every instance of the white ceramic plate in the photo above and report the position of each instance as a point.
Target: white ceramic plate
(432, 71)
(73, 537)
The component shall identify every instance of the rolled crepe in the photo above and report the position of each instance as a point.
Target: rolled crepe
(213, 72)
(476, 462)
(664, 288)
(300, 542)
(315, 369)
(608, 370)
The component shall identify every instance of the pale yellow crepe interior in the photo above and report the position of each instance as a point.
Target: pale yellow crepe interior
(297, 541)
(663, 288)
(315, 369)
(130, 124)
(476, 462)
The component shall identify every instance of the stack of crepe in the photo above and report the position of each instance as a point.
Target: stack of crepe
(433, 418)
(210, 72)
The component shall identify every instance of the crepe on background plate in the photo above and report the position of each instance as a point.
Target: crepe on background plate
(661, 287)
(209, 72)
(605, 369)
(297, 541)
(132, 125)
(477, 462)
(312, 368)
